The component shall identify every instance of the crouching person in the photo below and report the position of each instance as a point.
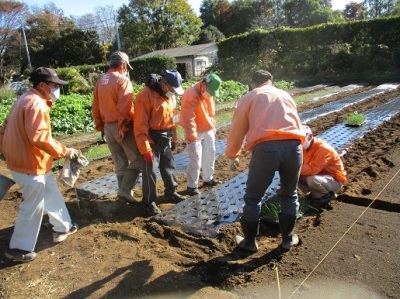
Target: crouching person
(322, 173)
(29, 150)
(267, 117)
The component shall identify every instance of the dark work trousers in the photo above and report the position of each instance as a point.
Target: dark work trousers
(164, 160)
(284, 156)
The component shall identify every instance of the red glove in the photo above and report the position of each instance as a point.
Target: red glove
(148, 157)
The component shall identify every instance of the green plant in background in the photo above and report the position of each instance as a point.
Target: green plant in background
(7, 99)
(76, 82)
(71, 114)
(356, 119)
(282, 84)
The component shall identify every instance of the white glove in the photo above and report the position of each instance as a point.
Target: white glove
(192, 147)
(233, 164)
(71, 153)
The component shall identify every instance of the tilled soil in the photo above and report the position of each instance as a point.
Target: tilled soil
(349, 249)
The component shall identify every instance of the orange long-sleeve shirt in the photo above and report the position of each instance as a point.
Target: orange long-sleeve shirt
(27, 142)
(197, 112)
(263, 114)
(113, 101)
(153, 112)
(321, 158)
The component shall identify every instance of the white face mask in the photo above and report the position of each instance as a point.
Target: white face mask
(55, 93)
(169, 94)
(307, 142)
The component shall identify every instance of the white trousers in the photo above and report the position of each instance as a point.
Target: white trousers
(202, 158)
(319, 185)
(40, 194)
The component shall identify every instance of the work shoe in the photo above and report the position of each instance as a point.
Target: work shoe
(59, 237)
(20, 255)
(127, 197)
(323, 200)
(192, 191)
(212, 183)
(174, 196)
(152, 209)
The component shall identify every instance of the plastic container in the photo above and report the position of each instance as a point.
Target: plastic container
(5, 184)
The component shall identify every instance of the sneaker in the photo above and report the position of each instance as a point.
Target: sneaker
(152, 209)
(192, 191)
(174, 196)
(20, 255)
(212, 183)
(59, 237)
(326, 198)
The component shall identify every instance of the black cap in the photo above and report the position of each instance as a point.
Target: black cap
(42, 74)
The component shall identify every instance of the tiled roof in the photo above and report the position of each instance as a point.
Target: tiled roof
(180, 52)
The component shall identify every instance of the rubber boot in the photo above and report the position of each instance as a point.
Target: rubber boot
(127, 183)
(250, 231)
(289, 238)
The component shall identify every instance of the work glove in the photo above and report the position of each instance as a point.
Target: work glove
(71, 153)
(148, 157)
(233, 164)
(192, 147)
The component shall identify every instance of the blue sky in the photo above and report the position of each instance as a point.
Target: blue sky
(78, 8)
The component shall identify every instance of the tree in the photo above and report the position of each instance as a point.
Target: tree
(270, 17)
(379, 8)
(303, 13)
(11, 16)
(215, 13)
(208, 35)
(396, 9)
(156, 25)
(354, 11)
(55, 41)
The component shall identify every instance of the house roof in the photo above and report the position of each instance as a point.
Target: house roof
(182, 51)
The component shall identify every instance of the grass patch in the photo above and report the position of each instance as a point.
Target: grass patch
(97, 151)
(311, 96)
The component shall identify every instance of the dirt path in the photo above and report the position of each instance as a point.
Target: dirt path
(348, 249)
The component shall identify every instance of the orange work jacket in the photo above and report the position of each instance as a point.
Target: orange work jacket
(27, 143)
(153, 112)
(113, 101)
(266, 113)
(322, 159)
(197, 112)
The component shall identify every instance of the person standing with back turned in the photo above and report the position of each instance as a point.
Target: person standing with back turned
(267, 117)
(113, 113)
(29, 150)
(197, 118)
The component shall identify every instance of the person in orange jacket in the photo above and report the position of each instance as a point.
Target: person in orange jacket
(113, 113)
(29, 149)
(155, 132)
(268, 118)
(322, 173)
(197, 118)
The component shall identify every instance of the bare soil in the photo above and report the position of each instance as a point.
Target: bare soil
(349, 249)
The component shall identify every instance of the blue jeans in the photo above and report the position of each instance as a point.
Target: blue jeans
(284, 156)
